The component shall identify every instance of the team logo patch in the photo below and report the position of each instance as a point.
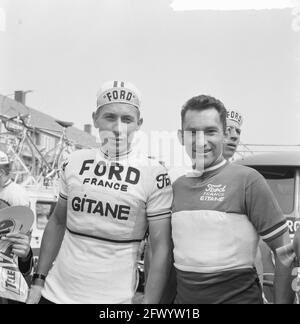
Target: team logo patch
(121, 95)
(214, 193)
(163, 181)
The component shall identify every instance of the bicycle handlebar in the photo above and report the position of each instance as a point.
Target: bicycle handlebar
(21, 119)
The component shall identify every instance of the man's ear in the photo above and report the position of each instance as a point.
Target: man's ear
(94, 116)
(180, 136)
(140, 123)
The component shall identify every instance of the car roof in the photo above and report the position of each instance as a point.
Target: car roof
(276, 159)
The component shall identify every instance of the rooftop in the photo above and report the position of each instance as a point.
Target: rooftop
(10, 108)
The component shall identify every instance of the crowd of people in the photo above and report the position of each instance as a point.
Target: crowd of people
(203, 227)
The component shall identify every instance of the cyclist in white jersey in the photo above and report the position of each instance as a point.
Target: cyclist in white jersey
(108, 199)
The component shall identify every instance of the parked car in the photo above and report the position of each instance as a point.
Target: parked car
(282, 172)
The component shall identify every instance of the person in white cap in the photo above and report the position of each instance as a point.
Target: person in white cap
(108, 198)
(13, 194)
(234, 123)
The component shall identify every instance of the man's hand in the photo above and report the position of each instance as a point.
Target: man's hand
(20, 243)
(34, 295)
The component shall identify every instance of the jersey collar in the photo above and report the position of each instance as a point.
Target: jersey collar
(196, 173)
(100, 155)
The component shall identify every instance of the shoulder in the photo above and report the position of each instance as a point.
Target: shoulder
(17, 195)
(82, 155)
(180, 181)
(150, 166)
(77, 157)
(243, 172)
(154, 173)
(17, 188)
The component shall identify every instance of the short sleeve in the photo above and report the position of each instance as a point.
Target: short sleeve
(63, 188)
(263, 209)
(160, 197)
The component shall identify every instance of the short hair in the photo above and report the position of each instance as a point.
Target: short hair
(6, 168)
(204, 102)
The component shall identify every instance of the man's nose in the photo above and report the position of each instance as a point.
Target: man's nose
(200, 138)
(234, 135)
(119, 127)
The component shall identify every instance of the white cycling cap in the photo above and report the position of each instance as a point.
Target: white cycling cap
(119, 92)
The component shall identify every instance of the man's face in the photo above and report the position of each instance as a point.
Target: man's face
(232, 139)
(203, 136)
(117, 124)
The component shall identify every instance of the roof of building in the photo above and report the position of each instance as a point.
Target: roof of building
(10, 108)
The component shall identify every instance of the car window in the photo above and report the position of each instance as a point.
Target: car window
(44, 210)
(282, 182)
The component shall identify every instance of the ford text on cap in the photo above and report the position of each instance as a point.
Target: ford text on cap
(119, 92)
(3, 158)
(235, 116)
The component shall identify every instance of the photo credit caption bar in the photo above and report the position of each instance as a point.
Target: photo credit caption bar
(149, 313)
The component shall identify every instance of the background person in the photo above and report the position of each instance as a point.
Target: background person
(13, 194)
(234, 121)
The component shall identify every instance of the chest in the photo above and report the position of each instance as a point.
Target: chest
(216, 195)
(116, 180)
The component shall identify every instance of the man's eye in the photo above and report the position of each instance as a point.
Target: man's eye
(211, 132)
(127, 120)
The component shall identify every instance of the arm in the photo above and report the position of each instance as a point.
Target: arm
(268, 219)
(21, 248)
(283, 291)
(26, 264)
(51, 243)
(52, 237)
(296, 244)
(160, 233)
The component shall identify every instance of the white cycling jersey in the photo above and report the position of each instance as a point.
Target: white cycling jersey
(110, 203)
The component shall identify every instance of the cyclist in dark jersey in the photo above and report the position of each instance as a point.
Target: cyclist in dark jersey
(218, 216)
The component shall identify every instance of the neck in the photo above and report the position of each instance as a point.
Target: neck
(115, 154)
(219, 160)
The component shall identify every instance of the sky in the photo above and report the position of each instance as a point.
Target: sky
(64, 50)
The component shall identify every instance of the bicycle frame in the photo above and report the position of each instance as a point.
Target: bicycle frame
(23, 133)
(18, 127)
